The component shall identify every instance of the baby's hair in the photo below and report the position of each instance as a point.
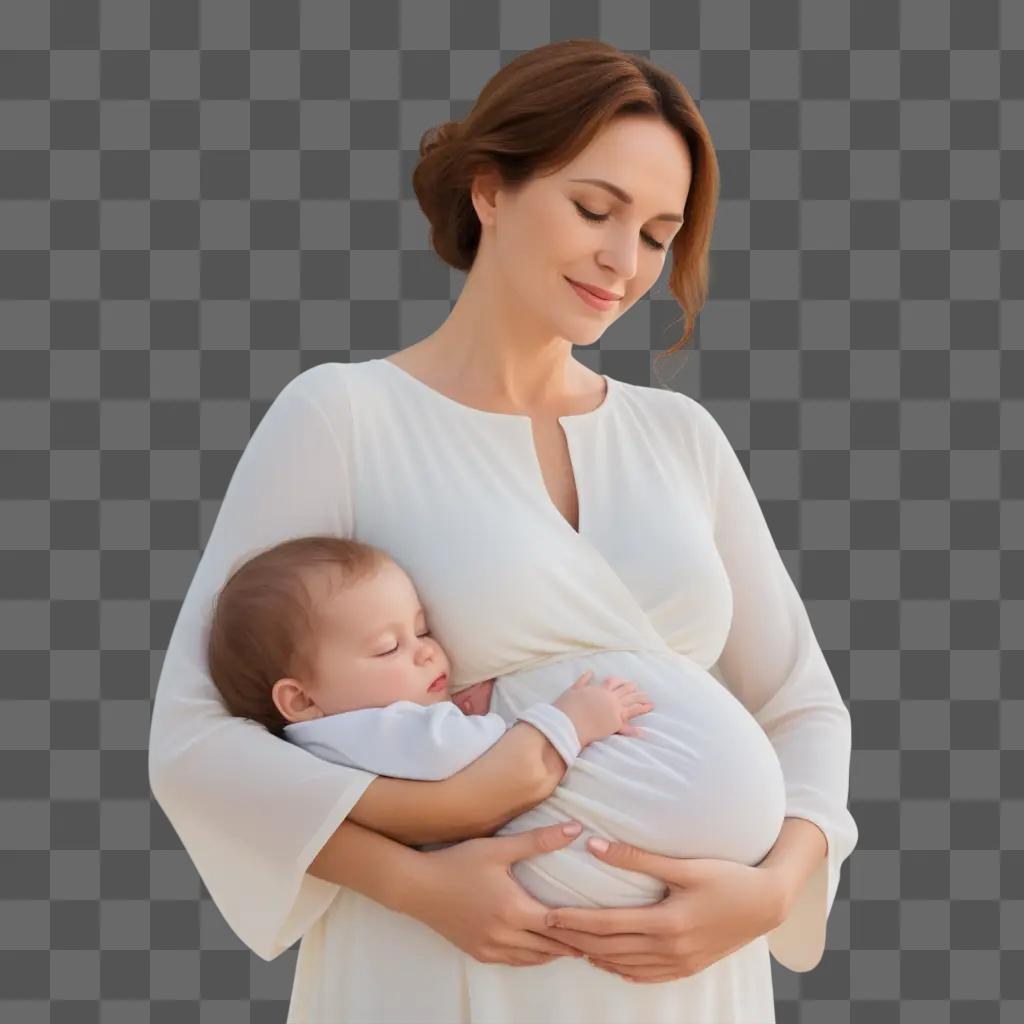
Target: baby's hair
(263, 625)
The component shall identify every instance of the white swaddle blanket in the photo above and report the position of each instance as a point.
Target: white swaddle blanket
(703, 781)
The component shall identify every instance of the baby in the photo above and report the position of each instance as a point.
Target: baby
(323, 640)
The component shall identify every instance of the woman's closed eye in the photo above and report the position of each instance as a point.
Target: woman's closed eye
(590, 215)
(395, 648)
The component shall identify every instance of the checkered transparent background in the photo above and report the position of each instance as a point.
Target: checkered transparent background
(199, 201)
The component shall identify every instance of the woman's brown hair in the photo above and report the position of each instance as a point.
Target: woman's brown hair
(534, 116)
(263, 625)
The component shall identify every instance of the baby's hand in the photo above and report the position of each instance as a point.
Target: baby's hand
(598, 711)
(475, 699)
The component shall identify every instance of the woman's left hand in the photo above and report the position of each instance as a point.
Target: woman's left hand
(713, 907)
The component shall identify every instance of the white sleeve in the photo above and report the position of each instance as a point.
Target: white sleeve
(252, 810)
(404, 740)
(557, 726)
(773, 663)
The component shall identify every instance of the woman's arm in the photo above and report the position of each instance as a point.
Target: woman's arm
(773, 663)
(517, 773)
(465, 892)
(251, 809)
(372, 864)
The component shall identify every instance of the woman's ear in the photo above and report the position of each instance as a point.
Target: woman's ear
(482, 194)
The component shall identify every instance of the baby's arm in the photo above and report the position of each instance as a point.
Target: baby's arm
(429, 743)
(595, 711)
(403, 740)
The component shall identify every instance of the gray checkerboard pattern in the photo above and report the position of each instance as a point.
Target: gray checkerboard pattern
(199, 201)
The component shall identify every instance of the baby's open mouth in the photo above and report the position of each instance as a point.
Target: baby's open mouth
(438, 683)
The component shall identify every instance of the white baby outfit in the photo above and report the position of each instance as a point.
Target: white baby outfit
(406, 740)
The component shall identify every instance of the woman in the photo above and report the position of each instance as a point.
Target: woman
(540, 508)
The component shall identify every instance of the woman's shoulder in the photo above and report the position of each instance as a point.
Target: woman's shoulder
(676, 411)
(324, 381)
(681, 426)
(333, 388)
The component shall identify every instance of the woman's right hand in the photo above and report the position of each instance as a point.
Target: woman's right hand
(468, 894)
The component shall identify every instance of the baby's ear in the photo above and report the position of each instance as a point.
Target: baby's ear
(290, 698)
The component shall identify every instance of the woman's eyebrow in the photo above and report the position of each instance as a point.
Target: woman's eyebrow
(625, 197)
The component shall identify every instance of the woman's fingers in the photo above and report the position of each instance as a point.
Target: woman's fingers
(620, 960)
(601, 965)
(615, 945)
(538, 943)
(634, 929)
(639, 975)
(524, 960)
(526, 938)
(530, 942)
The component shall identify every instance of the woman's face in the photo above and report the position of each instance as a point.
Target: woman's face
(374, 648)
(542, 234)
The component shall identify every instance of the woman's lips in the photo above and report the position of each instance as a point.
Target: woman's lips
(590, 298)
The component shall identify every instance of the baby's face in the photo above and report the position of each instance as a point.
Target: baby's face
(374, 648)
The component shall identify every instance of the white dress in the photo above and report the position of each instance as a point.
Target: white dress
(673, 555)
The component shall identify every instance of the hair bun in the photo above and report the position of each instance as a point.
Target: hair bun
(440, 135)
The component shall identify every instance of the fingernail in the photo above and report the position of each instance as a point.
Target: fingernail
(600, 845)
(572, 829)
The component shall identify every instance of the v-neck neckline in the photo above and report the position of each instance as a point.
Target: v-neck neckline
(525, 422)
(610, 396)
(582, 546)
